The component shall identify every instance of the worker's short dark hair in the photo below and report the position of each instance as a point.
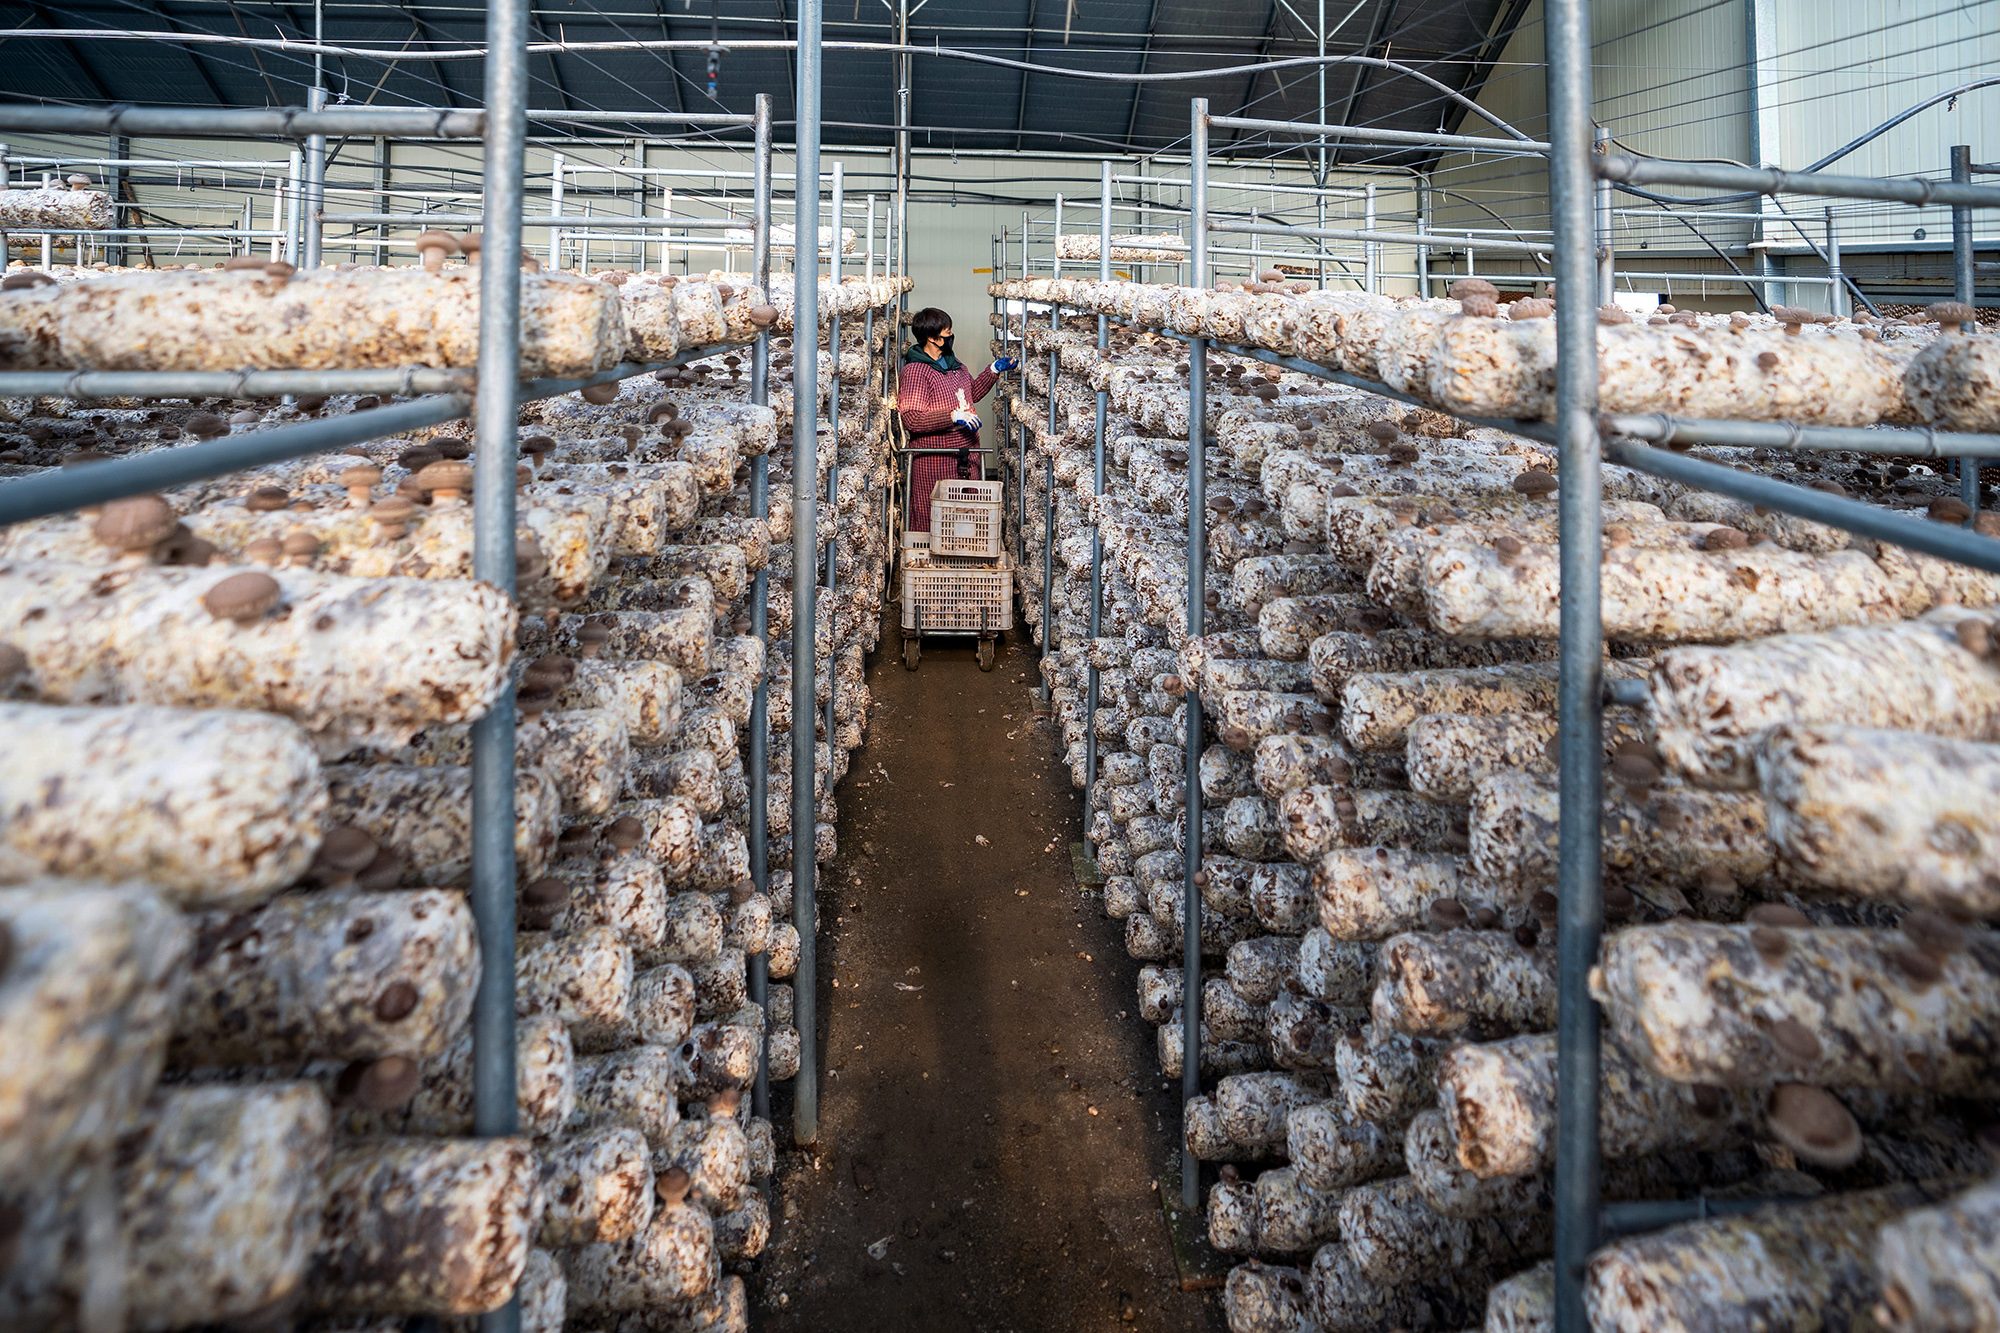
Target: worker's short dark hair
(928, 323)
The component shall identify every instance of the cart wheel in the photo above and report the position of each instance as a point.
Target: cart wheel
(913, 651)
(986, 654)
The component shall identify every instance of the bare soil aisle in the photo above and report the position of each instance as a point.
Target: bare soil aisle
(991, 1119)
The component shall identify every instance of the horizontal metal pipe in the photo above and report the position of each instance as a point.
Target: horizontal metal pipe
(70, 488)
(1628, 693)
(1769, 180)
(1470, 142)
(1625, 1219)
(1393, 237)
(284, 122)
(649, 117)
(217, 233)
(1920, 440)
(231, 383)
(1944, 540)
(1257, 187)
(580, 220)
(159, 469)
(1897, 441)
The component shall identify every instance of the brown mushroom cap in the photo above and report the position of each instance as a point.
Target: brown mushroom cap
(451, 446)
(16, 282)
(1613, 314)
(1951, 312)
(135, 523)
(599, 395)
(763, 316)
(447, 474)
(361, 474)
(549, 672)
(392, 509)
(1534, 482)
(541, 901)
(264, 550)
(1725, 539)
(344, 851)
(673, 1185)
(242, 597)
(625, 833)
(1813, 1124)
(1465, 287)
(379, 1085)
(1948, 509)
(1449, 914)
(1776, 914)
(592, 631)
(442, 241)
(12, 662)
(206, 426)
(537, 445)
(79, 182)
(300, 542)
(267, 499)
(243, 264)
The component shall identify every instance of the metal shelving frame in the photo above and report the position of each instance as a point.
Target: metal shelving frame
(448, 395)
(1578, 175)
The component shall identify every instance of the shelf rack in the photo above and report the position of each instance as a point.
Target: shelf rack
(1579, 218)
(447, 395)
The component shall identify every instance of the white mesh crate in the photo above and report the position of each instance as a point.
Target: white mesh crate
(965, 518)
(962, 597)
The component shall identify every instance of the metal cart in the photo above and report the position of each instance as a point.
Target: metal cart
(948, 593)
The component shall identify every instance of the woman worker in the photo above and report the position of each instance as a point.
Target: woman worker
(935, 398)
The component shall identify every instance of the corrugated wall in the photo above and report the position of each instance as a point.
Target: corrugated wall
(1674, 80)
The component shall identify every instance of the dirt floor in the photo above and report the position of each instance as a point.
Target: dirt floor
(992, 1117)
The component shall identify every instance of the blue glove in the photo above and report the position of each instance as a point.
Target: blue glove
(1004, 364)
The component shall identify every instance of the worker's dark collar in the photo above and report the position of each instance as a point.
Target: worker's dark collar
(943, 364)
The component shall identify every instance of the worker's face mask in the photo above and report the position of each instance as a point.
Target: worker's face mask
(944, 344)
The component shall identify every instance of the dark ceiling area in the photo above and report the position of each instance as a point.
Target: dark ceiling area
(954, 103)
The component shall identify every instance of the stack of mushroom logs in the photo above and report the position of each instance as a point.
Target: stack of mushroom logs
(1799, 845)
(239, 961)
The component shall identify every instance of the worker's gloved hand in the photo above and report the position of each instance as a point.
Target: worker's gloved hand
(1004, 364)
(967, 419)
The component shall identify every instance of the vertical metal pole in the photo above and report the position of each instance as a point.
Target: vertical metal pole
(1423, 229)
(1836, 292)
(902, 161)
(1961, 228)
(1021, 480)
(805, 565)
(1319, 204)
(495, 1094)
(1368, 250)
(1048, 556)
(833, 428)
(556, 161)
(1097, 488)
(1580, 729)
(1607, 254)
(1197, 567)
(315, 185)
(760, 623)
(114, 254)
(1961, 291)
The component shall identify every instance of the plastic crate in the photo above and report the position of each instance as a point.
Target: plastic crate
(965, 519)
(950, 490)
(958, 598)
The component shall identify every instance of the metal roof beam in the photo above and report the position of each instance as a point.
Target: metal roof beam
(1145, 55)
(1376, 29)
(1021, 100)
